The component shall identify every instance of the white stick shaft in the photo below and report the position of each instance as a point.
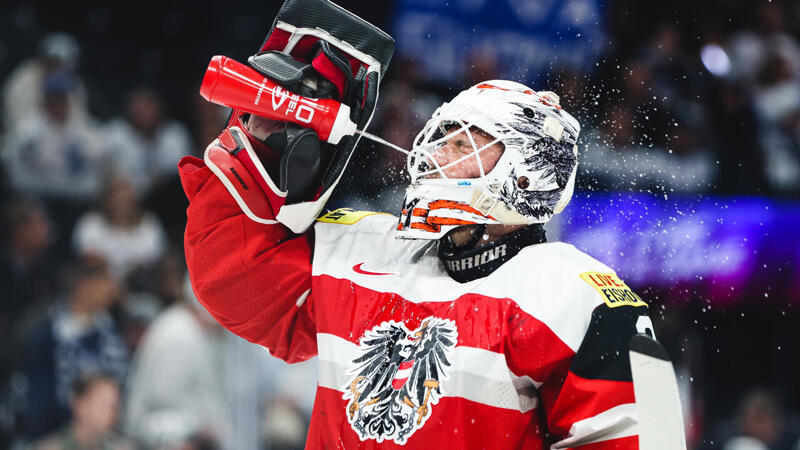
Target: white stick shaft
(657, 403)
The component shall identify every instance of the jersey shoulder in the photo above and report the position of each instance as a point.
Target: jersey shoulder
(565, 265)
(346, 233)
(348, 221)
(558, 263)
(562, 286)
(348, 216)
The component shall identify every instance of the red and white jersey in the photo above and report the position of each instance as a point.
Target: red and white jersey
(532, 356)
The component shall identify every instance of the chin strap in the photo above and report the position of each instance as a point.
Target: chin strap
(466, 263)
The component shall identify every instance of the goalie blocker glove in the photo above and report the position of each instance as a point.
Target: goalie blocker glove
(314, 49)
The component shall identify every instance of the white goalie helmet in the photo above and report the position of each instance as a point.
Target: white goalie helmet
(532, 179)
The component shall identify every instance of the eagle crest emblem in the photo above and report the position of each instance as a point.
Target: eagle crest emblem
(397, 378)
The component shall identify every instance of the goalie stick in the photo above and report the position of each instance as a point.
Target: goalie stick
(657, 400)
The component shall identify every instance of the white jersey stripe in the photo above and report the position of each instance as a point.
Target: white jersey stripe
(614, 423)
(477, 375)
(333, 376)
(335, 349)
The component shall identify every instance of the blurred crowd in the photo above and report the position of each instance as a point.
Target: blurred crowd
(105, 345)
(709, 107)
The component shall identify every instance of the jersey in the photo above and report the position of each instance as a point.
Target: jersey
(533, 356)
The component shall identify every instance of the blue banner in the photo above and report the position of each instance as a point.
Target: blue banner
(525, 37)
(716, 249)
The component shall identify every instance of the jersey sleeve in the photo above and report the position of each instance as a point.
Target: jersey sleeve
(592, 406)
(576, 355)
(254, 278)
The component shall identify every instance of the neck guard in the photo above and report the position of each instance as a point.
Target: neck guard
(467, 263)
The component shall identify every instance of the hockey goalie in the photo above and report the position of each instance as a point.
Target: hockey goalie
(456, 325)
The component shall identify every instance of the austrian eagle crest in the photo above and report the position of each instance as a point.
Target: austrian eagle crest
(397, 378)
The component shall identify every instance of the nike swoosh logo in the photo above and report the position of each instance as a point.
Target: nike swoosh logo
(357, 269)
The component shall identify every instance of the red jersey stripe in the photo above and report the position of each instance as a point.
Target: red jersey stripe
(581, 399)
(518, 430)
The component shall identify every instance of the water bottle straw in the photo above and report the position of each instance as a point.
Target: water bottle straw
(374, 138)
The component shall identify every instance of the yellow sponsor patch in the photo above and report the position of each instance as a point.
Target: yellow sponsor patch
(614, 291)
(346, 216)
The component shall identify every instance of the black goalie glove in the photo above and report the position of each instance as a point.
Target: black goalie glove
(315, 49)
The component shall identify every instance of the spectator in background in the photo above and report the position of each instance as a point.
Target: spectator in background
(737, 149)
(77, 337)
(194, 383)
(641, 134)
(145, 146)
(651, 119)
(167, 282)
(176, 385)
(22, 93)
(760, 424)
(121, 231)
(55, 156)
(751, 49)
(674, 85)
(95, 406)
(777, 106)
(287, 409)
(765, 60)
(663, 55)
(26, 271)
(148, 295)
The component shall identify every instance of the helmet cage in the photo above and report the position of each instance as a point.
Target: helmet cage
(421, 162)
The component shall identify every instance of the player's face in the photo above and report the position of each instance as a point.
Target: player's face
(457, 147)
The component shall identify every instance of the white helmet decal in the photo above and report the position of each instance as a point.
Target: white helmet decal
(532, 180)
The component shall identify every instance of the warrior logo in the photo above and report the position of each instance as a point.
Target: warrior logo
(397, 378)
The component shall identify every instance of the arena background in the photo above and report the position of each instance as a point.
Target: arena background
(688, 187)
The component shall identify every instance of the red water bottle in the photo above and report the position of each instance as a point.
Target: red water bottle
(230, 83)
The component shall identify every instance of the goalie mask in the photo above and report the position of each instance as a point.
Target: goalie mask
(532, 179)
